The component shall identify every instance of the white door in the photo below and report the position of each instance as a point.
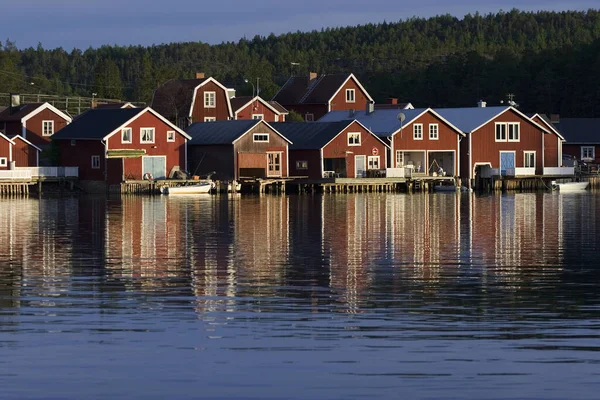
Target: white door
(360, 165)
(273, 164)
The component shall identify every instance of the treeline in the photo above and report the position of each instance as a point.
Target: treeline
(550, 61)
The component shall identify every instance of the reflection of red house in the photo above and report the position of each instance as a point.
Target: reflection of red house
(113, 145)
(246, 107)
(36, 122)
(313, 96)
(344, 148)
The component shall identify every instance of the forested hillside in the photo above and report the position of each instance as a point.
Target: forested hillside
(549, 60)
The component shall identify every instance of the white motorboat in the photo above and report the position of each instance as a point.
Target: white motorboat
(197, 188)
(572, 186)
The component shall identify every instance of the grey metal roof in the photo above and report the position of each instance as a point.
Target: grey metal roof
(580, 130)
(381, 122)
(310, 135)
(219, 132)
(95, 124)
(468, 119)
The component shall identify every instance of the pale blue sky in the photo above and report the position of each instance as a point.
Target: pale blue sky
(85, 23)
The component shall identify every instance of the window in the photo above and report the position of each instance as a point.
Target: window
(147, 135)
(210, 99)
(309, 117)
(434, 132)
(350, 96)
(418, 131)
(170, 136)
(301, 164)
(373, 162)
(399, 159)
(588, 153)
(95, 162)
(529, 159)
(126, 135)
(73, 142)
(258, 116)
(47, 128)
(3, 162)
(512, 128)
(261, 137)
(353, 138)
(210, 119)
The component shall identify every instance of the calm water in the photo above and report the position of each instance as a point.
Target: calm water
(329, 297)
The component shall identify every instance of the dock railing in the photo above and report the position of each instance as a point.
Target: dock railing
(51, 172)
(559, 171)
(402, 172)
(15, 174)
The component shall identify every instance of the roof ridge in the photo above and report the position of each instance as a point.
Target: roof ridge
(311, 87)
(282, 87)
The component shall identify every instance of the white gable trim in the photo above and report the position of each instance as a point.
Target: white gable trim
(142, 111)
(7, 138)
(351, 76)
(518, 112)
(548, 125)
(43, 107)
(28, 142)
(262, 121)
(364, 127)
(260, 100)
(213, 80)
(460, 133)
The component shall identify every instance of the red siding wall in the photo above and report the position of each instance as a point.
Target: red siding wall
(34, 127)
(5, 151)
(575, 151)
(221, 110)
(339, 101)
(551, 145)
(80, 156)
(23, 154)
(312, 157)
(484, 147)
(250, 154)
(369, 144)
(256, 107)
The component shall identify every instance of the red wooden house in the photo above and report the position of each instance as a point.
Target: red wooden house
(238, 149)
(553, 142)
(113, 145)
(186, 101)
(36, 122)
(247, 107)
(314, 96)
(333, 149)
(582, 137)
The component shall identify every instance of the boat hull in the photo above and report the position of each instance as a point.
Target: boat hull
(572, 186)
(200, 188)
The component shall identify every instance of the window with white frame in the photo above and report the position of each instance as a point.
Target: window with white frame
(500, 132)
(258, 116)
(95, 162)
(276, 118)
(373, 162)
(588, 153)
(3, 161)
(170, 136)
(210, 119)
(210, 99)
(47, 128)
(513, 131)
(147, 135)
(126, 135)
(261, 137)
(350, 96)
(309, 117)
(353, 138)
(434, 132)
(399, 158)
(507, 131)
(301, 164)
(529, 161)
(418, 131)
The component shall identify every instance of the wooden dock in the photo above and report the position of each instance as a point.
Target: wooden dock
(370, 185)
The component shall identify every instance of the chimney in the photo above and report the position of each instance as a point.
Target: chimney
(231, 93)
(392, 100)
(312, 76)
(555, 118)
(15, 103)
(200, 75)
(481, 104)
(370, 107)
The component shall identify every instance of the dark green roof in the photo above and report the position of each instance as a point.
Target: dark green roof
(96, 124)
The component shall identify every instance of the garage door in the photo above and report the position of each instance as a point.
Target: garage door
(155, 165)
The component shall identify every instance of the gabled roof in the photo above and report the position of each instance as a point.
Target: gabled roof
(301, 90)
(28, 110)
(546, 122)
(3, 136)
(223, 132)
(469, 119)
(580, 130)
(397, 106)
(385, 122)
(100, 124)
(239, 103)
(115, 105)
(18, 137)
(175, 97)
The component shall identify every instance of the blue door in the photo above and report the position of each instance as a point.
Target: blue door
(507, 161)
(155, 165)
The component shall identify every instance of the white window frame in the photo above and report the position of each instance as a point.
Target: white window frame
(434, 134)
(276, 118)
(309, 117)
(3, 162)
(302, 164)
(210, 99)
(375, 159)
(518, 125)
(142, 141)
(170, 136)
(399, 157)
(525, 158)
(95, 162)
(210, 119)
(352, 136)
(497, 137)
(418, 133)
(585, 149)
(258, 116)
(350, 95)
(51, 124)
(257, 137)
(130, 135)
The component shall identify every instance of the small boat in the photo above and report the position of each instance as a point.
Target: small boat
(234, 187)
(572, 186)
(445, 188)
(197, 188)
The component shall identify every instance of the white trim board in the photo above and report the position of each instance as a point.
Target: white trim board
(142, 111)
(213, 80)
(46, 106)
